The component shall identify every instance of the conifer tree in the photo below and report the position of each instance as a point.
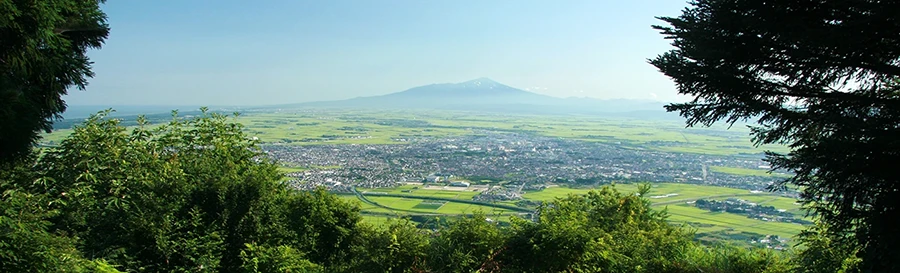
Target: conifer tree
(821, 76)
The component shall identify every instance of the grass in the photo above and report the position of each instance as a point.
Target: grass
(55, 137)
(414, 205)
(659, 192)
(304, 127)
(779, 202)
(375, 220)
(327, 128)
(429, 205)
(294, 127)
(722, 221)
(457, 208)
(284, 169)
(680, 213)
(746, 172)
(419, 190)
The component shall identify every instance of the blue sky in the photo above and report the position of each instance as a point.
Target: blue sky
(223, 52)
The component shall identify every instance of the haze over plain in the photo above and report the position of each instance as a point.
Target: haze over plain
(514, 87)
(230, 53)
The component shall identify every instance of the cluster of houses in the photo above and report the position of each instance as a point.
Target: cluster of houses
(521, 158)
(750, 209)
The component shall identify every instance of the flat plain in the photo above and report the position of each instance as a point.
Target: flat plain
(675, 198)
(392, 127)
(341, 126)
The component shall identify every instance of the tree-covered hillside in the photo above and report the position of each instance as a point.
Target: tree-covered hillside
(195, 195)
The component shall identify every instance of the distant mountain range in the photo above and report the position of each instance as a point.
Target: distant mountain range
(484, 94)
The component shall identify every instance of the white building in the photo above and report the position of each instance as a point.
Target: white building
(459, 184)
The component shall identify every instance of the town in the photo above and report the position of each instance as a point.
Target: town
(517, 159)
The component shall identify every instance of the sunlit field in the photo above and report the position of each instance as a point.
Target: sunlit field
(310, 127)
(391, 127)
(672, 197)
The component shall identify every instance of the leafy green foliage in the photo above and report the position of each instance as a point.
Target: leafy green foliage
(397, 247)
(821, 76)
(43, 47)
(822, 254)
(467, 245)
(602, 231)
(26, 242)
(196, 195)
(190, 195)
(155, 199)
(275, 259)
(733, 259)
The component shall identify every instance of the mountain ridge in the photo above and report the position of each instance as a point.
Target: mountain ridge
(481, 95)
(485, 94)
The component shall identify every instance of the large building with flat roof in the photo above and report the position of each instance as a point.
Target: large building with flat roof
(459, 184)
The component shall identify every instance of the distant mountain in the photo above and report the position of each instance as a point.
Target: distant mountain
(484, 94)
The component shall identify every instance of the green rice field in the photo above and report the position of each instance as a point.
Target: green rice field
(295, 127)
(744, 171)
(672, 197)
(304, 127)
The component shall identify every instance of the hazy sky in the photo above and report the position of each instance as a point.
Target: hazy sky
(167, 52)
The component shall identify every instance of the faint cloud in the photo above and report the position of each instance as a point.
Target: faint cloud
(654, 95)
(536, 88)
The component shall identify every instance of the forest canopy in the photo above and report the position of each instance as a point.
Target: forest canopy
(196, 195)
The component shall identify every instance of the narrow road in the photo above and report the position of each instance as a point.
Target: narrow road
(654, 204)
(362, 197)
(486, 204)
